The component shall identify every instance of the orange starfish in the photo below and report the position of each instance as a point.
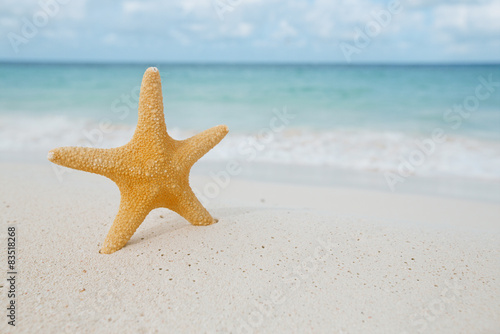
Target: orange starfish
(151, 171)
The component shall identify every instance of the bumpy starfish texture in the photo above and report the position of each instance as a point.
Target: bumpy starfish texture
(151, 171)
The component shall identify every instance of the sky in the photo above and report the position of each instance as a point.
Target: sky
(343, 31)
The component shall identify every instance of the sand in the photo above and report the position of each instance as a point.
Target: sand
(282, 259)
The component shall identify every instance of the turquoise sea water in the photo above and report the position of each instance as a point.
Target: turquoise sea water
(351, 117)
(395, 98)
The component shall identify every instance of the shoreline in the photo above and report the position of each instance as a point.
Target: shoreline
(453, 187)
(319, 176)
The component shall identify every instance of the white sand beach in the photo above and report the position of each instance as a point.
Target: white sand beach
(282, 258)
(331, 167)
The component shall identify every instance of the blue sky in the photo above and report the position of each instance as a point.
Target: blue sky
(251, 31)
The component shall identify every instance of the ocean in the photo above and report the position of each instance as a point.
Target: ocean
(371, 118)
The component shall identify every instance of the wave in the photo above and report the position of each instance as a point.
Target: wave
(361, 150)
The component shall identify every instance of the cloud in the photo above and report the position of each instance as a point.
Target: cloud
(131, 7)
(243, 29)
(474, 19)
(285, 31)
(310, 30)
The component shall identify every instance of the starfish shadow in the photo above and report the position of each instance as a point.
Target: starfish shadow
(164, 221)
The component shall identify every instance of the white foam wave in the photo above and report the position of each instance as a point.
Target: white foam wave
(355, 150)
(370, 151)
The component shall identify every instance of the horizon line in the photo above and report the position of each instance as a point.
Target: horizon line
(272, 63)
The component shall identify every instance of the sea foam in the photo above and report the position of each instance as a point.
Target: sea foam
(360, 150)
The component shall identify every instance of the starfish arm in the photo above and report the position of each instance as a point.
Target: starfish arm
(189, 207)
(135, 205)
(151, 129)
(93, 160)
(192, 149)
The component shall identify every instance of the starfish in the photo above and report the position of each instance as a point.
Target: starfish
(151, 171)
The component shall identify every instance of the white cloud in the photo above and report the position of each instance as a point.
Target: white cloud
(243, 29)
(130, 7)
(17, 9)
(285, 30)
(423, 26)
(474, 18)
